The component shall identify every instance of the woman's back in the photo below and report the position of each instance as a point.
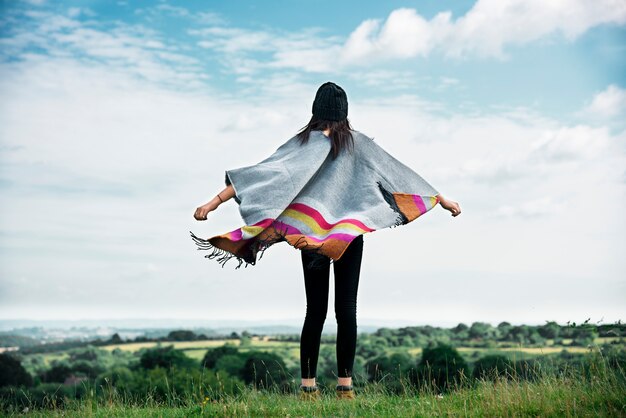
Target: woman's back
(320, 191)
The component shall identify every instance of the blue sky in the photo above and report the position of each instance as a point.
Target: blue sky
(553, 74)
(118, 118)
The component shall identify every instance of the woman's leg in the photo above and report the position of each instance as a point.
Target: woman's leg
(347, 271)
(316, 281)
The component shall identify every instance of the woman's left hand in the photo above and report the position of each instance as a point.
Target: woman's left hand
(202, 211)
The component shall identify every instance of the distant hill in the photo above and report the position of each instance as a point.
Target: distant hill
(27, 332)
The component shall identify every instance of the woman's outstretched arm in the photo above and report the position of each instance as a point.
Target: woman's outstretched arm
(202, 211)
(450, 205)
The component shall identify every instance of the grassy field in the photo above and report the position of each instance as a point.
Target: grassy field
(258, 343)
(602, 392)
(191, 346)
(598, 389)
(197, 349)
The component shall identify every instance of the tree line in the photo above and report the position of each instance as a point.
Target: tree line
(477, 334)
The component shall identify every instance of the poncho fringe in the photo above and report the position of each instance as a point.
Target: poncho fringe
(302, 196)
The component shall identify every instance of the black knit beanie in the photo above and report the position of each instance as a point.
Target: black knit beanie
(331, 102)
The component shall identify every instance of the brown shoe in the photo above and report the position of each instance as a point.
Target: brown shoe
(345, 392)
(310, 393)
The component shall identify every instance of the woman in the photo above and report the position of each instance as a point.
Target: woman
(337, 174)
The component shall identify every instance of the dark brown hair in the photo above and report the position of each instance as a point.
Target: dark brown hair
(340, 135)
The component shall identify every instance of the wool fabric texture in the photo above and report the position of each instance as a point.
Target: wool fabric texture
(303, 196)
(331, 102)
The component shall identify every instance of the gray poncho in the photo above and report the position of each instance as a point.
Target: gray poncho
(301, 195)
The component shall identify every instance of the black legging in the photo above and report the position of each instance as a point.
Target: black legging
(347, 270)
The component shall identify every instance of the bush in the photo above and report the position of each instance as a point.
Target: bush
(232, 364)
(57, 373)
(491, 366)
(165, 357)
(441, 368)
(46, 395)
(390, 371)
(182, 335)
(173, 385)
(12, 373)
(121, 378)
(213, 355)
(388, 365)
(527, 369)
(265, 370)
(85, 368)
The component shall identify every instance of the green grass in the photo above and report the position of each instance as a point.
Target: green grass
(599, 391)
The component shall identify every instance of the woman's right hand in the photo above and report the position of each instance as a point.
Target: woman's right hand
(450, 205)
(202, 211)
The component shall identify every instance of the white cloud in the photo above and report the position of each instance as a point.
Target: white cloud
(241, 48)
(405, 34)
(485, 30)
(608, 103)
(125, 48)
(233, 40)
(572, 143)
(73, 11)
(491, 24)
(153, 12)
(545, 206)
(448, 81)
